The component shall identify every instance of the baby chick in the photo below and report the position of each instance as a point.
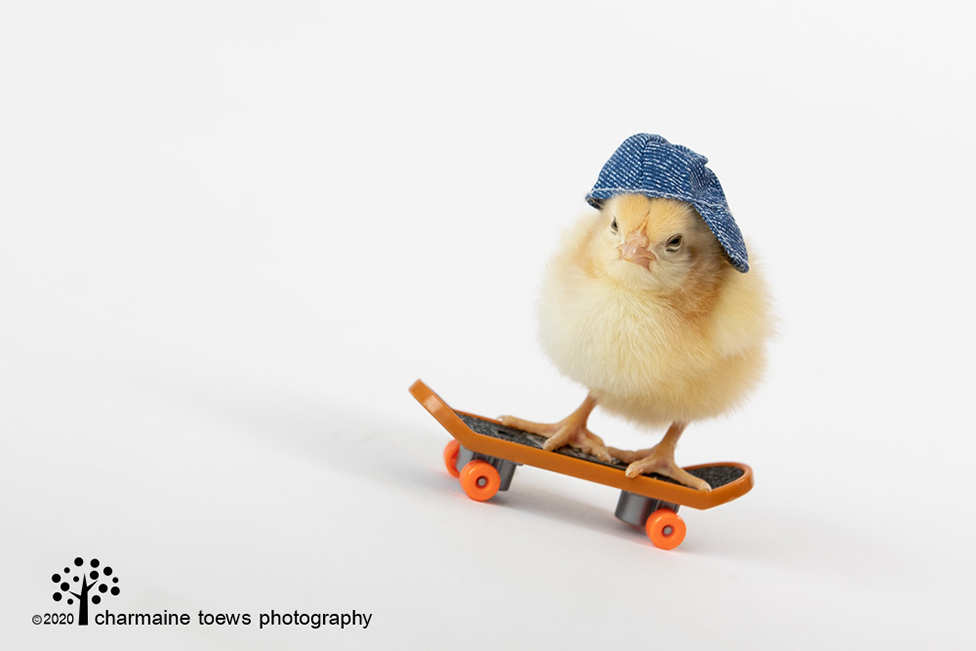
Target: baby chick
(643, 306)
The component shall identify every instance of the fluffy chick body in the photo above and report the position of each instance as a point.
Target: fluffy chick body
(676, 340)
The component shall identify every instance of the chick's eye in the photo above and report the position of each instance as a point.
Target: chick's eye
(613, 225)
(673, 244)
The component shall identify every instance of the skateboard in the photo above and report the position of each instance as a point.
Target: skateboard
(484, 454)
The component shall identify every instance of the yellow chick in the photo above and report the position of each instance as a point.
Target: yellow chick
(642, 305)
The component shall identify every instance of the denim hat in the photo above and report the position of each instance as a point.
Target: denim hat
(650, 165)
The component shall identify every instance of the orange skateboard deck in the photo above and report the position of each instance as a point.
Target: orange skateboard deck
(485, 453)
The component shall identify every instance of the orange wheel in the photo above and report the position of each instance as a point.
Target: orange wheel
(450, 457)
(480, 480)
(665, 528)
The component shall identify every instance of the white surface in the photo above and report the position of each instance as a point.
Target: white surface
(232, 236)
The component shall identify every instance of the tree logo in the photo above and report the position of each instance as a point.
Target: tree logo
(82, 583)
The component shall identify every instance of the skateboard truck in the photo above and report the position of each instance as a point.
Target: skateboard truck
(505, 468)
(483, 455)
(635, 509)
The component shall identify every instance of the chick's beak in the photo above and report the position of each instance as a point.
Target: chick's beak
(634, 249)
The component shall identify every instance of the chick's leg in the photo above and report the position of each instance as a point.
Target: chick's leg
(569, 431)
(660, 460)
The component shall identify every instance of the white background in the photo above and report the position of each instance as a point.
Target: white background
(233, 234)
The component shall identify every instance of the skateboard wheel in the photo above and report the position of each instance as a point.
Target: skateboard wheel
(450, 457)
(665, 528)
(480, 480)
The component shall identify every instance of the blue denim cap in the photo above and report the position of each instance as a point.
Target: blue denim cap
(650, 165)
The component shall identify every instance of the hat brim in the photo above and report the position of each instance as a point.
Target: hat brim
(727, 232)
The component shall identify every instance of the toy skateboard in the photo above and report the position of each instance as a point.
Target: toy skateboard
(485, 453)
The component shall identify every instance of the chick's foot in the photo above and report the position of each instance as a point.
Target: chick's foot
(565, 432)
(570, 431)
(658, 461)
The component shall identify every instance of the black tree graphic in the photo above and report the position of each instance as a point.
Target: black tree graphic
(64, 585)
